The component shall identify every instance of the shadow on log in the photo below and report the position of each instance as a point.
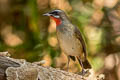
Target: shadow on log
(4, 64)
(19, 69)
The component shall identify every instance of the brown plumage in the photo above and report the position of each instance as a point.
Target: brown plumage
(70, 38)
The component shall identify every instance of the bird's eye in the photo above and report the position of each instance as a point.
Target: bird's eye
(55, 13)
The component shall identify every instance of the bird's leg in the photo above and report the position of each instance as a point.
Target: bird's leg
(83, 71)
(68, 63)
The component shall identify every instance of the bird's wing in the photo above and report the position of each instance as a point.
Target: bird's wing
(79, 37)
(83, 61)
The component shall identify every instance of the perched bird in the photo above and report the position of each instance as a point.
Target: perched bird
(70, 39)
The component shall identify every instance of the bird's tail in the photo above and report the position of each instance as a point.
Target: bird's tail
(85, 64)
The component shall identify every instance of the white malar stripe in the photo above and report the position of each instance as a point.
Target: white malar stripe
(56, 16)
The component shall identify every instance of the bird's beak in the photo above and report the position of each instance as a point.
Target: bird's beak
(47, 14)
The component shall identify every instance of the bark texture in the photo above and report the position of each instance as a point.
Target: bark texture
(19, 69)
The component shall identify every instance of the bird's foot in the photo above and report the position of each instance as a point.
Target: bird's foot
(84, 73)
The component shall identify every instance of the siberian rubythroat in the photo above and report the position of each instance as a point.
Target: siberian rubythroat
(69, 38)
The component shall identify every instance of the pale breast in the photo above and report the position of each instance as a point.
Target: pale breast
(69, 44)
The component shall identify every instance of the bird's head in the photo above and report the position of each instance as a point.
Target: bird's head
(56, 15)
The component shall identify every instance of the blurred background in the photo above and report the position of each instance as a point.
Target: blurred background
(27, 34)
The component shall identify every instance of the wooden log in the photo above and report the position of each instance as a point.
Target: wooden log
(19, 69)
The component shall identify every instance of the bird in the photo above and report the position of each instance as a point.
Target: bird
(70, 39)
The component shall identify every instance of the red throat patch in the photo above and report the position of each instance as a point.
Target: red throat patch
(58, 21)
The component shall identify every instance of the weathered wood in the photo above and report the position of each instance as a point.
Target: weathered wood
(19, 69)
(4, 64)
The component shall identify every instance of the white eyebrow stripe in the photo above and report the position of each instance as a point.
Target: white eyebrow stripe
(58, 10)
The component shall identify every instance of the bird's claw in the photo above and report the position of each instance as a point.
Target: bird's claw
(84, 73)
